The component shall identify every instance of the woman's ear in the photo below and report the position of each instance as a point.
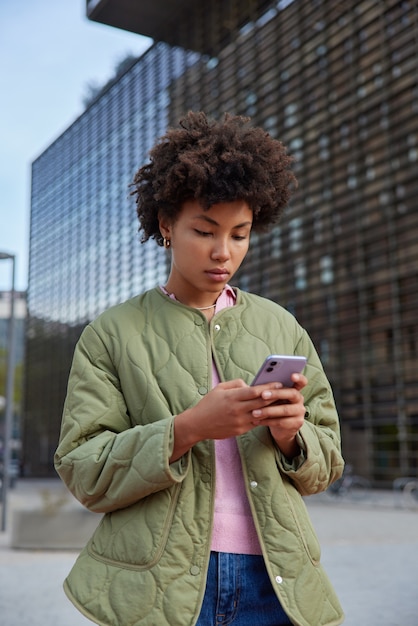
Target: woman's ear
(165, 226)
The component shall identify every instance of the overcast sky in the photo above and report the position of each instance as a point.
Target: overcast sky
(49, 53)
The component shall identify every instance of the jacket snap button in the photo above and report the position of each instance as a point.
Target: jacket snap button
(195, 570)
(217, 327)
(279, 580)
(203, 390)
(254, 484)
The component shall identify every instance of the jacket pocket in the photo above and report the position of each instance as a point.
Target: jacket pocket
(135, 537)
(303, 523)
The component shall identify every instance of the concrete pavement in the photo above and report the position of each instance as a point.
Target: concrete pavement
(370, 551)
(369, 548)
(31, 591)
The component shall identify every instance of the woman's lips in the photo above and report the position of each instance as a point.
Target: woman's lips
(218, 274)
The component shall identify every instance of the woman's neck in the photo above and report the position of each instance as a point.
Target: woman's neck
(208, 307)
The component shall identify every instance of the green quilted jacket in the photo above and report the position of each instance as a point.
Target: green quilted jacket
(135, 367)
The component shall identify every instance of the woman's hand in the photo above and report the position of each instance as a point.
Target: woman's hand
(230, 409)
(285, 415)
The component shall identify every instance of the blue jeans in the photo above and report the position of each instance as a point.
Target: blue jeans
(239, 592)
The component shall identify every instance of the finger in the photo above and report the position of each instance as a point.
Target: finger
(299, 381)
(283, 395)
(286, 403)
(267, 387)
(233, 384)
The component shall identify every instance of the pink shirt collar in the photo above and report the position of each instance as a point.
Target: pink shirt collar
(226, 298)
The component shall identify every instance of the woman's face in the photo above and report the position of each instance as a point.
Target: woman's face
(207, 248)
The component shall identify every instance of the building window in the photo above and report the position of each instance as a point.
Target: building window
(276, 242)
(327, 270)
(300, 275)
(295, 234)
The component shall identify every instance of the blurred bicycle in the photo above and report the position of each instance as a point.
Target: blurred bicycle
(406, 491)
(350, 485)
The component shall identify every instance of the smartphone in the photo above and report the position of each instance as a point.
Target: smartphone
(278, 368)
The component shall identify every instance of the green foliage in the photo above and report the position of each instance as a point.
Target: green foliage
(18, 378)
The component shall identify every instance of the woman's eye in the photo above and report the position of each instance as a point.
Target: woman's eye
(202, 233)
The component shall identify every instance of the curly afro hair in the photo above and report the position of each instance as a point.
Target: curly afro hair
(212, 162)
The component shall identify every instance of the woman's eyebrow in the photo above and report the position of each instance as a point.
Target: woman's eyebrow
(210, 220)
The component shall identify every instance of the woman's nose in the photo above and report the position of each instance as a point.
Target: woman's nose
(220, 251)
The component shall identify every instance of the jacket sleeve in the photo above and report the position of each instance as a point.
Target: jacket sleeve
(320, 462)
(105, 461)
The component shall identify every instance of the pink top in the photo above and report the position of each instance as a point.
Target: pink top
(233, 525)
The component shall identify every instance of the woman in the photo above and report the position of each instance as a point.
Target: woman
(200, 475)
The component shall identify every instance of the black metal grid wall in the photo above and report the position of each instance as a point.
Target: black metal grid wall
(337, 83)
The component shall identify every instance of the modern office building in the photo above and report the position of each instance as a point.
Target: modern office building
(337, 83)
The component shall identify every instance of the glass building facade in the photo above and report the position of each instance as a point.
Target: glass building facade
(338, 84)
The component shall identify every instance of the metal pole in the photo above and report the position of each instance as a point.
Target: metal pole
(8, 417)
